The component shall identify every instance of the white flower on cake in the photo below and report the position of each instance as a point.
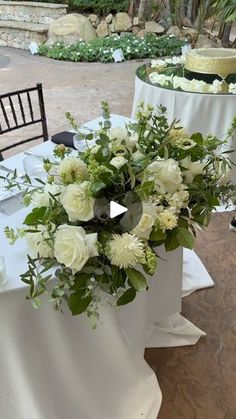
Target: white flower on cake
(72, 170)
(232, 88)
(38, 242)
(77, 203)
(73, 247)
(145, 225)
(41, 199)
(118, 161)
(192, 169)
(164, 172)
(125, 251)
(216, 86)
(167, 220)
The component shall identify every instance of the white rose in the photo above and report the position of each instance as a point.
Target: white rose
(118, 133)
(76, 202)
(72, 170)
(157, 78)
(118, 162)
(192, 169)
(199, 86)
(145, 225)
(164, 173)
(41, 199)
(73, 247)
(37, 242)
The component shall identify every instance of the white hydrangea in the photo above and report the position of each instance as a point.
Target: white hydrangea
(126, 250)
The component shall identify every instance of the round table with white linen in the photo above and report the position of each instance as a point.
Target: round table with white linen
(198, 112)
(55, 366)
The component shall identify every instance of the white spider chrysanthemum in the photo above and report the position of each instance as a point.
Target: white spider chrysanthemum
(125, 250)
(167, 220)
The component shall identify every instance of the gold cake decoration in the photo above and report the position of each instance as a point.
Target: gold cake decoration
(220, 61)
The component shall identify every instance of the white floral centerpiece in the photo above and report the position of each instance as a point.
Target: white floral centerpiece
(178, 180)
(170, 73)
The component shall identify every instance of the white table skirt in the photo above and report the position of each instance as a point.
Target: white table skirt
(205, 113)
(54, 366)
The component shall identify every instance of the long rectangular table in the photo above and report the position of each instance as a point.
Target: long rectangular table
(54, 366)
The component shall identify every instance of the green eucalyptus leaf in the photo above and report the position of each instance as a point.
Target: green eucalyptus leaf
(128, 296)
(184, 237)
(157, 235)
(78, 303)
(171, 242)
(136, 279)
(36, 216)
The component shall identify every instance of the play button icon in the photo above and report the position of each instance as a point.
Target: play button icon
(123, 216)
(116, 209)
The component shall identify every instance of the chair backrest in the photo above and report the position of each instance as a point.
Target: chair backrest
(18, 110)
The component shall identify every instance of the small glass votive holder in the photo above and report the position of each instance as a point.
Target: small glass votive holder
(3, 273)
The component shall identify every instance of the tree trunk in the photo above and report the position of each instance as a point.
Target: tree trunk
(141, 9)
(226, 34)
(190, 10)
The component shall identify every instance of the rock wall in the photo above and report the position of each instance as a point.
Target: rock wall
(33, 12)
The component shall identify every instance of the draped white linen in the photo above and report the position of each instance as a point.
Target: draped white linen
(54, 366)
(198, 112)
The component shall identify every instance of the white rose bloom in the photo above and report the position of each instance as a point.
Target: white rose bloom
(72, 170)
(73, 247)
(125, 251)
(157, 78)
(37, 243)
(159, 63)
(199, 86)
(145, 225)
(192, 169)
(176, 82)
(164, 173)
(118, 133)
(76, 202)
(215, 87)
(41, 199)
(118, 162)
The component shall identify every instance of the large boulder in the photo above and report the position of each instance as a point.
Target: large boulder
(122, 22)
(154, 27)
(71, 28)
(102, 29)
(205, 42)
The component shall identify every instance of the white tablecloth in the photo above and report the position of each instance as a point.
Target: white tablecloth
(54, 366)
(205, 113)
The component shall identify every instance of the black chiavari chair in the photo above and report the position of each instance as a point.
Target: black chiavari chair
(20, 109)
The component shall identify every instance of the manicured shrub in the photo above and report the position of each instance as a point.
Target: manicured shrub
(101, 49)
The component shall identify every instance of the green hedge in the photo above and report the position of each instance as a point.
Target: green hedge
(101, 7)
(101, 49)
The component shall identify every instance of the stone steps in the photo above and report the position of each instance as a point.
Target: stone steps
(22, 22)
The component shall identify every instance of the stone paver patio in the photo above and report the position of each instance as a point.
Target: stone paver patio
(75, 87)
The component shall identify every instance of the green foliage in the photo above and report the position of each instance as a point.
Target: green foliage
(225, 9)
(100, 7)
(101, 49)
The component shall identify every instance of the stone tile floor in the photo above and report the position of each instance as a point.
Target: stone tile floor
(197, 382)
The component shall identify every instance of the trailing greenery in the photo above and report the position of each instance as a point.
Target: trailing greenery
(101, 49)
